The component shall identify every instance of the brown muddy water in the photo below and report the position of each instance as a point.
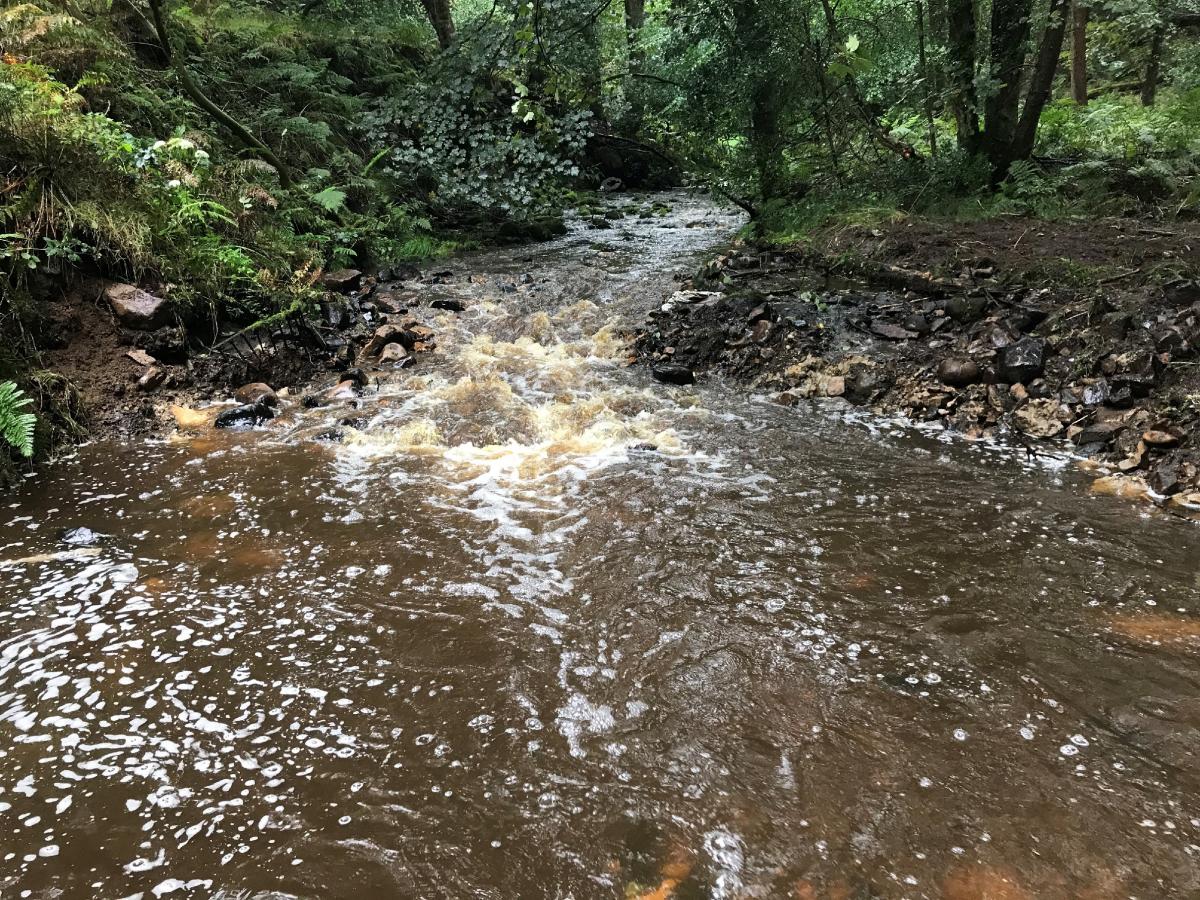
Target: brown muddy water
(489, 645)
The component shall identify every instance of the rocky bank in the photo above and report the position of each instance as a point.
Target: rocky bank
(1094, 351)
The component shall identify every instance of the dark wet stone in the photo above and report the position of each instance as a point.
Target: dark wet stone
(1096, 394)
(793, 313)
(250, 414)
(670, 373)
(862, 384)
(1022, 361)
(358, 376)
(918, 324)
(449, 303)
(1139, 384)
(645, 447)
(1181, 292)
(1099, 433)
(892, 332)
(966, 309)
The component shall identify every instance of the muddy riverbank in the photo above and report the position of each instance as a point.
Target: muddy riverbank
(1054, 337)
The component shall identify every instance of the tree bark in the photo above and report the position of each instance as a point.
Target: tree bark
(1079, 67)
(1041, 83)
(247, 137)
(1153, 66)
(1010, 30)
(635, 19)
(442, 21)
(923, 60)
(961, 40)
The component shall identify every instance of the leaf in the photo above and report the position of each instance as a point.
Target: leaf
(330, 199)
(16, 427)
(852, 44)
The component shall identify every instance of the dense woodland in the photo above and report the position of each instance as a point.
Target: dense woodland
(230, 152)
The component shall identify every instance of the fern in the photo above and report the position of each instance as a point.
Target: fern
(16, 427)
(330, 199)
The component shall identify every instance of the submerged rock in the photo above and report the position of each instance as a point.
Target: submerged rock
(79, 537)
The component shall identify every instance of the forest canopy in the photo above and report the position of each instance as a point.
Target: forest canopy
(235, 150)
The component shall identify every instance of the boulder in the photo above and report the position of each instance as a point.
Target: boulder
(254, 392)
(671, 373)
(451, 304)
(384, 335)
(136, 308)
(1021, 361)
(343, 280)
(958, 372)
(394, 353)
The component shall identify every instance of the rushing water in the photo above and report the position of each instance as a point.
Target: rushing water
(490, 644)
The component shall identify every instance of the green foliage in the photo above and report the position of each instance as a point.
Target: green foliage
(16, 425)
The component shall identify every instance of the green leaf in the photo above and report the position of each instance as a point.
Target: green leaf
(16, 427)
(330, 199)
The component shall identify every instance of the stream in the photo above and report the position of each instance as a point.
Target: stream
(537, 626)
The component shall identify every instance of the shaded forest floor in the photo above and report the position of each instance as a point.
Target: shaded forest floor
(1085, 333)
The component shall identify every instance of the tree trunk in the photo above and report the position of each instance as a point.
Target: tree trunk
(764, 139)
(192, 89)
(1010, 30)
(438, 12)
(961, 40)
(635, 18)
(1079, 67)
(923, 59)
(1041, 83)
(1154, 66)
